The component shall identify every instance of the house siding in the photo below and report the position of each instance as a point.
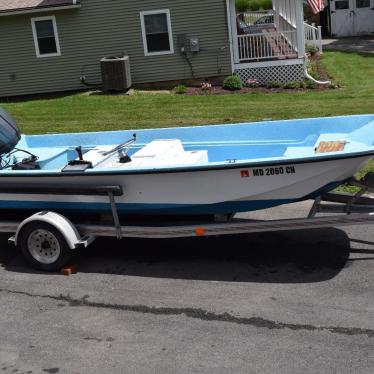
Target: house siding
(106, 28)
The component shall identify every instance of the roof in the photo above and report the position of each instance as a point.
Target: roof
(16, 6)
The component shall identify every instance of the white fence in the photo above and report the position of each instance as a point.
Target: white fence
(267, 45)
(313, 35)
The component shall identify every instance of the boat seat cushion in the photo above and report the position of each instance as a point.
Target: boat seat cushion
(164, 152)
(167, 152)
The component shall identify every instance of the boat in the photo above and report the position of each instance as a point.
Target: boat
(215, 169)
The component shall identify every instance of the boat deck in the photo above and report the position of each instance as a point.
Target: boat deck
(205, 145)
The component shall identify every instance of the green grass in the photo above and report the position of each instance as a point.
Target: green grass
(89, 112)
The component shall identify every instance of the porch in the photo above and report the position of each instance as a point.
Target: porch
(268, 46)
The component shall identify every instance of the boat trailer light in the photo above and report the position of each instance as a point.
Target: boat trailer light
(200, 231)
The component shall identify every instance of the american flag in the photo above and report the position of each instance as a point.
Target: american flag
(316, 5)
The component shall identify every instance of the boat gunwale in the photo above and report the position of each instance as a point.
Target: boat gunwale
(187, 169)
(260, 122)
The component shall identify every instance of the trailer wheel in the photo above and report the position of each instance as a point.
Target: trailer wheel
(44, 247)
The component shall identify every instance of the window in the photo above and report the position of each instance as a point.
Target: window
(362, 3)
(156, 30)
(46, 41)
(342, 4)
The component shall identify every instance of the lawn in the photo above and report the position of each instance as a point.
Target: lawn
(89, 112)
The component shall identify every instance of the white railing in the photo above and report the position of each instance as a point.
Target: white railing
(251, 17)
(267, 45)
(313, 35)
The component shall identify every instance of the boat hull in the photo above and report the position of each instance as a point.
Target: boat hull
(238, 188)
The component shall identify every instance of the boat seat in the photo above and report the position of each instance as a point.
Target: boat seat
(161, 152)
(296, 152)
(364, 134)
(167, 152)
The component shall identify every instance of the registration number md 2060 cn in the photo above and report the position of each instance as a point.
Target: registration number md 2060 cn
(279, 170)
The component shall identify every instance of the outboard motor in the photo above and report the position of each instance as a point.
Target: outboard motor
(9, 132)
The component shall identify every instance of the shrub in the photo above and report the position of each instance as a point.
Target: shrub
(180, 89)
(242, 5)
(310, 84)
(312, 49)
(245, 5)
(312, 69)
(292, 85)
(233, 82)
(274, 84)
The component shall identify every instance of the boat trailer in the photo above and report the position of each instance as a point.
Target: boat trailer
(48, 239)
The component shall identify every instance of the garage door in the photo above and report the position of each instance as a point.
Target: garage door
(352, 17)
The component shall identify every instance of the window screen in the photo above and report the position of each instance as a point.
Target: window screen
(363, 4)
(45, 34)
(157, 32)
(341, 4)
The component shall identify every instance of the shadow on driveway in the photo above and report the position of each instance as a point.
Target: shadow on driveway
(285, 257)
(364, 44)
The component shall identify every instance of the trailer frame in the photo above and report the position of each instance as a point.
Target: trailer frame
(337, 209)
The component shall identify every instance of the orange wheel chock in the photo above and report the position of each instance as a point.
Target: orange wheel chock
(69, 270)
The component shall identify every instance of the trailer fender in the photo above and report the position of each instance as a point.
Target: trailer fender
(61, 223)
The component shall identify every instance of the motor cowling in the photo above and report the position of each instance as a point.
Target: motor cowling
(9, 132)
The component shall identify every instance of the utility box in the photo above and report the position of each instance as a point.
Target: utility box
(115, 73)
(194, 44)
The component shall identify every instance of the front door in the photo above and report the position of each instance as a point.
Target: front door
(352, 17)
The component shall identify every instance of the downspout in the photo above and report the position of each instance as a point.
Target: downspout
(308, 76)
(228, 12)
(301, 41)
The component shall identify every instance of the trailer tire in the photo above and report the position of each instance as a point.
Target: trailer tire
(44, 247)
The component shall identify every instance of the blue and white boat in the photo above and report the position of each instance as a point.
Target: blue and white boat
(186, 170)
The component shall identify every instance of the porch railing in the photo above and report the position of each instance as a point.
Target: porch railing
(251, 17)
(267, 45)
(313, 35)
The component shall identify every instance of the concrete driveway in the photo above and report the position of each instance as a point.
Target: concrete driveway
(352, 44)
(290, 302)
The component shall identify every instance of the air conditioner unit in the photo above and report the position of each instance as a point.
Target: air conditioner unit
(115, 73)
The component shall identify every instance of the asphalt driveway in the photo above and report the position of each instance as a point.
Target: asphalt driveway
(290, 302)
(352, 44)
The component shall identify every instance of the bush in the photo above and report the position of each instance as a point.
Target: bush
(180, 89)
(274, 84)
(245, 5)
(242, 5)
(312, 69)
(310, 84)
(292, 85)
(233, 82)
(312, 49)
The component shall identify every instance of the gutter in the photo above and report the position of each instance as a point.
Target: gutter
(9, 13)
